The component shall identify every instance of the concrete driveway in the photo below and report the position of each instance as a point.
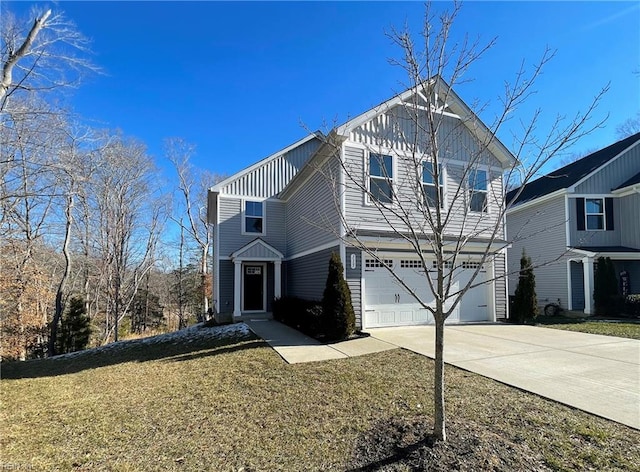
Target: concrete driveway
(597, 374)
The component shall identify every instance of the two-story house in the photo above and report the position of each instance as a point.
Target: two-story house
(570, 217)
(277, 222)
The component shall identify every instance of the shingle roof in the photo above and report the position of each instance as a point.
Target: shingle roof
(607, 249)
(570, 174)
(632, 181)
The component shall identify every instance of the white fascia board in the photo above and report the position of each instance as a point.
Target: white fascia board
(391, 243)
(253, 243)
(611, 255)
(610, 161)
(626, 191)
(545, 198)
(220, 185)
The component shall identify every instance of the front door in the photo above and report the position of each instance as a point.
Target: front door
(253, 298)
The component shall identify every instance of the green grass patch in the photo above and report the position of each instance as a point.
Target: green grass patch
(232, 403)
(622, 329)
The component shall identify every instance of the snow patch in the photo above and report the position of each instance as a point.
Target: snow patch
(186, 336)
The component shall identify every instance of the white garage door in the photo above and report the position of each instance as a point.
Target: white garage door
(387, 303)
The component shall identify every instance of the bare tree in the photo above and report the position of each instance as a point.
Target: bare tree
(193, 185)
(629, 126)
(48, 54)
(441, 144)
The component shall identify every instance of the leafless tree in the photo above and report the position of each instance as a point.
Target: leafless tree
(430, 132)
(193, 185)
(40, 56)
(629, 126)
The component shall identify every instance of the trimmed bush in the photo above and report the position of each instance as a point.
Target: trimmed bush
(605, 288)
(632, 304)
(338, 314)
(303, 315)
(525, 301)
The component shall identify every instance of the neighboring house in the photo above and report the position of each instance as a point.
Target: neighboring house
(574, 215)
(277, 222)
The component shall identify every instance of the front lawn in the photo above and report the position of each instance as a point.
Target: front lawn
(230, 403)
(620, 328)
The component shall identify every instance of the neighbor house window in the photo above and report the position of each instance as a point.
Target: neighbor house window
(594, 213)
(478, 190)
(429, 186)
(380, 178)
(253, 217)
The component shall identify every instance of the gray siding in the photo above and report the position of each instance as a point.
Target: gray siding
(540, 230)
(312, 214)
(231, 237)
(225, 302)
(306, 276)
(595, 238)
(354, 280)
(577, 285)
(612, 175)
(270, 178)
(629, 220)
(500, 286)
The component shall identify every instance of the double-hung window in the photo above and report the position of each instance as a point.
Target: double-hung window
(429, 188)
(478, 190)
(253, 217)
(594, 212)
(380, 178)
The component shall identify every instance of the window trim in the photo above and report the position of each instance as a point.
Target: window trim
(368, 194)
(603, 214)
(471, 191)
(245, 216)
(442, 185)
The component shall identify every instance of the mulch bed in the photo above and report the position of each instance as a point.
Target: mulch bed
(407, 444)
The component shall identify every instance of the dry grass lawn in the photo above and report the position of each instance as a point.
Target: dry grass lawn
(232, 403)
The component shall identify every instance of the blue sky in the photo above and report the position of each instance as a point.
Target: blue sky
(239, 79)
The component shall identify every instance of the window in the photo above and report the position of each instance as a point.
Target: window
(410, 264)
(594, 212)
(253, 217)
(478, 190)
(429, 186)
(373, 263)
(380, 178)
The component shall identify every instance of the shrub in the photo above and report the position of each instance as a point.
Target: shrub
(632, 304)
(605, 288)
(525, 301)
(338, 314)
(303, 315)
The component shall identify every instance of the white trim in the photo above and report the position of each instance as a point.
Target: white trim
(626, 191)
(474, 169)
(572, 188)
(567, 222)
(604, 214)
(322, 247)
(245, 171)
(491, 269)
(367, 173)
(236, 255)
(536, 201)
(395, 244)
(444, 175)
(264, 286)
(587, 268)
(632, 256)
(363, 287)
(507, 310)
(243, 216)
(569, 286)
(216, 255)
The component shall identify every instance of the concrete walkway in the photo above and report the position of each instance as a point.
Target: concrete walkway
(597, 374)
(295, 347)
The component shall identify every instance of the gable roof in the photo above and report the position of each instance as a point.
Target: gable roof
(632, 181)
(453, 105)
(571, 174)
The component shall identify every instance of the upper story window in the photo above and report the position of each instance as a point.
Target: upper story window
(253, 217)
(478, 190)
(380, 178)
(594, 213)
(429, 186)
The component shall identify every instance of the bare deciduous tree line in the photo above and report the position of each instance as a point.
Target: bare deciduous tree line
(82, 210)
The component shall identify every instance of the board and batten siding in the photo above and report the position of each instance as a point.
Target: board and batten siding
(629, 220)
(271, 177)
(312, 213)
(613, 174)
(230, 231)
(306, 276)
(353, 276)
(540, 230)
(595, 238)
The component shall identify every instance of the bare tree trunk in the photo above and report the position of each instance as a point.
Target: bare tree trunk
(439, 430)
(57, 316)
